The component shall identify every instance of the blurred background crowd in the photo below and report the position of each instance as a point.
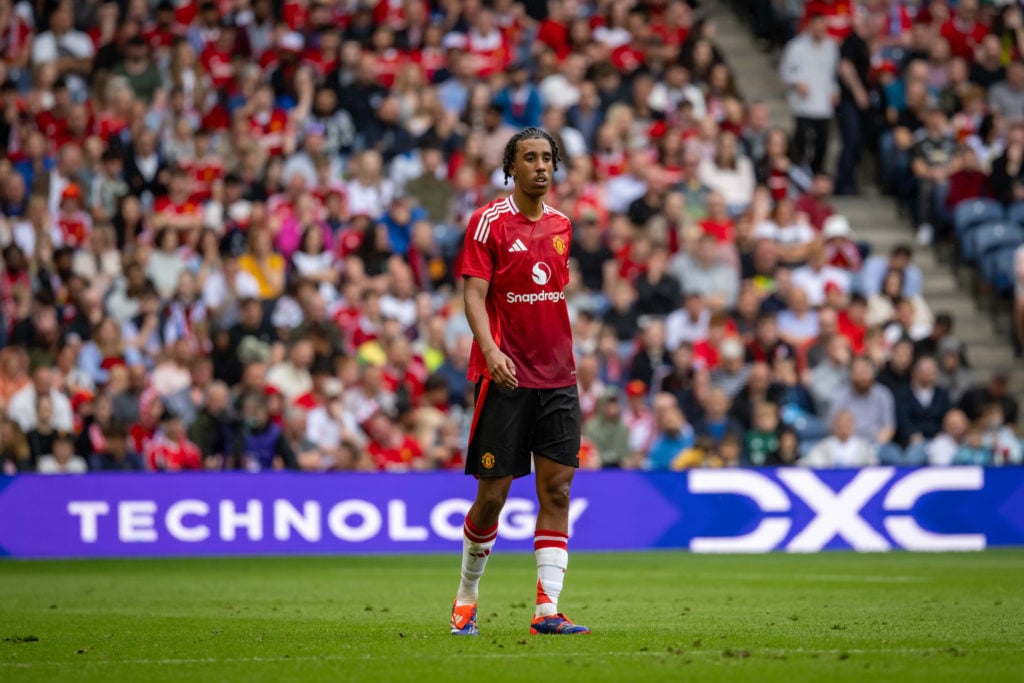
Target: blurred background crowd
(231, 229)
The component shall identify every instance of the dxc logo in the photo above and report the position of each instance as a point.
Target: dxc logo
(836, 513)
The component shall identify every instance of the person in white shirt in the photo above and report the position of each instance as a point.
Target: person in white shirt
(941, 450)
(63, 460)
(689, 323)
(808, 69)
(817, 274)
(292, 377)
(22, 406)
(71, 50)
(729, 173)
(843, 448)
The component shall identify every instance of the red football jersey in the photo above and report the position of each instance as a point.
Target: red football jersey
(527, 265)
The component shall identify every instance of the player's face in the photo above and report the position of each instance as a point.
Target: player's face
(534, 166)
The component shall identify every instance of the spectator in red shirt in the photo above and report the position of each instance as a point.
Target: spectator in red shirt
(72, 226)
(963, 31)
(270, 126)
(170, 450)
(390, 449)
(838, 16)
(815, 202)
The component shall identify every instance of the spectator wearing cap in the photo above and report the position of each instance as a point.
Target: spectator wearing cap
(733, 371)
(71, 225)
(840, 250)
(808, 70)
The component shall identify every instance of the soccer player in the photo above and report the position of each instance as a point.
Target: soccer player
(515, 267)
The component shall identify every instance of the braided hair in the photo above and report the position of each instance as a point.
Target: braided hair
(527, 134)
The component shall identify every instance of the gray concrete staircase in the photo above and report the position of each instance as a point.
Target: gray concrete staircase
(874, 218)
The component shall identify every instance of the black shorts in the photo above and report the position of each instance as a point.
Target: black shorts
(509, 425)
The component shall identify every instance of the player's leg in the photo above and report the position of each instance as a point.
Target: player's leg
(556, 457)
(479, 533)
(551, 538)
(493, 457)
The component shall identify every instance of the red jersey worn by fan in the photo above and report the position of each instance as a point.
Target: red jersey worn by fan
(527, 265)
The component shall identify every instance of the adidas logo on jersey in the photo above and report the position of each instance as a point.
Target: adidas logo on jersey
(517, 245)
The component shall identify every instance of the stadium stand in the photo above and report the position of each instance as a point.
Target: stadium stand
(231, 230)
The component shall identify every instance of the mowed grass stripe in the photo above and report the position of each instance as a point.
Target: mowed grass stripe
(656, 616)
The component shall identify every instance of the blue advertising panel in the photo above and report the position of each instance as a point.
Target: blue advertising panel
(709, 511)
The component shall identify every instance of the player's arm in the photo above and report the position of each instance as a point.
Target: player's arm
(500, 366)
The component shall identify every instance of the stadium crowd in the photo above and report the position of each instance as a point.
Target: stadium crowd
(231, 230)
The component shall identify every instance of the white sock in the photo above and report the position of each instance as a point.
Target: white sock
(551, 549)
(476, 547)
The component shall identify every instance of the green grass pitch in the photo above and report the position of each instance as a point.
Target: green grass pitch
(655, 616)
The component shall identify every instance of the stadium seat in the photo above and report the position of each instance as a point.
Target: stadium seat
(1015, 213)
(997, 269)
(972, 212)
(990, 236)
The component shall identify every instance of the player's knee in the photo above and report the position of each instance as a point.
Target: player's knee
(554, 495)
(488, 504)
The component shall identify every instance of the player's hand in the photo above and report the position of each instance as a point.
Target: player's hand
(501, 369)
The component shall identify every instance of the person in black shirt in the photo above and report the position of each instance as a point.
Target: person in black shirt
(854, 99)
(658, 293)
(996, 390)
(623, 316)
(1007, 176)
(987, 68)
(591, 254)
(933, 159)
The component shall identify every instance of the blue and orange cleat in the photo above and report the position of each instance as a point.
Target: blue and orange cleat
(556, 625)
(464, 620)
